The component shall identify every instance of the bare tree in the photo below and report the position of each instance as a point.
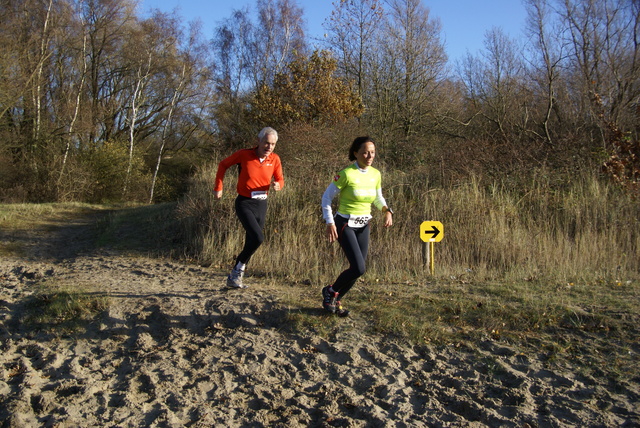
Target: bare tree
(165, 129)
(493, 82)
(351, 34)
(249, 55)
(107, 27)
(232, 48)
(547, 56)
(278, 38)
(29, 53)
(75, 98)
(187, 82)
(604, 37)
(407, 69)
(142, 73)
(150, 56)
(79, 81)
(38, 83)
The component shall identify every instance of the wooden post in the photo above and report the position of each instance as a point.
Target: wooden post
(425, 254)
(428, 249)
(432, 259)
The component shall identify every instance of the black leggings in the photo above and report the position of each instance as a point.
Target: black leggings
(355, 244)
(252, 214)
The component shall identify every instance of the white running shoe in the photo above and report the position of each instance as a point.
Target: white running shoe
(234, 279)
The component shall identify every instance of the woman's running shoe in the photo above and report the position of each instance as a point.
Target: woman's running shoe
(329, 298)
(340, 311)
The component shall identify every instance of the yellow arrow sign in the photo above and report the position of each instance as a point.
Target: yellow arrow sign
(431, 231)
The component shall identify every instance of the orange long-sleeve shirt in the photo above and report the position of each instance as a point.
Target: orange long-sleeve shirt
(254, 175)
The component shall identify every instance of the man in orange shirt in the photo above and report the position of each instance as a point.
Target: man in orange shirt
(260, 170)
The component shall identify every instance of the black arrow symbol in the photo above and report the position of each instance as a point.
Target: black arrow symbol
(434, 231)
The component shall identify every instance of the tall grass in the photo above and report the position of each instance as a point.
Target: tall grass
(585, 230)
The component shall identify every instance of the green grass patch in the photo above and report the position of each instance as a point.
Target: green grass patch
(21, 223)
(305, 313)
(62, 309)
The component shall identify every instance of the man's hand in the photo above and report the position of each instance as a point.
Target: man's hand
(276, 186)
(217, 194)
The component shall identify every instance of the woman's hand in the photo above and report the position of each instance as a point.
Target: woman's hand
(332, 232)
(388, 219)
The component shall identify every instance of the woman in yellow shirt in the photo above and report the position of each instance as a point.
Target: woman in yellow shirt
(358, 186)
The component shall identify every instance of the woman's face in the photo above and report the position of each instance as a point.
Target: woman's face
(366, 154)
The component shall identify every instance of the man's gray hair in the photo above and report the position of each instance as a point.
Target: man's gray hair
(262, 135)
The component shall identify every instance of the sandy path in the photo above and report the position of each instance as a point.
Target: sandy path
(177, 349)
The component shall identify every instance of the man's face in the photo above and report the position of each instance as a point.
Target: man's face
(266, 147)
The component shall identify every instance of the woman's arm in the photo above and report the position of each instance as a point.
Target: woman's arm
(329, 194)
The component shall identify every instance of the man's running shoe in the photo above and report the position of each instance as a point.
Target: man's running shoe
(234, 279)
(329, 298)
(340, 311)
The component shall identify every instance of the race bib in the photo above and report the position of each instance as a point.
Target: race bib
(358, 221)
(259, 194)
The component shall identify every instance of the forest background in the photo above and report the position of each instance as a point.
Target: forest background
(528, 154)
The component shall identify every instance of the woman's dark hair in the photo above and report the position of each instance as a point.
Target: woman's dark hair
(355, 146)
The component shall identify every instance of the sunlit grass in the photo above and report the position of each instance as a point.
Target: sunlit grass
(559, 321)
(26, 216)
(11, 249)
(585, 232)
(33, 218)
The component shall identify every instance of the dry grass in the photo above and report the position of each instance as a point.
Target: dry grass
(586, 232)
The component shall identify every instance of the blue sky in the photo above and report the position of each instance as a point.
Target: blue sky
(464, 22)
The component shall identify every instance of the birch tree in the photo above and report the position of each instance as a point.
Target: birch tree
(278, 38)
(38, 81)
(76, 102)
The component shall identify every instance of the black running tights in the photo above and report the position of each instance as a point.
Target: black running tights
(355, 244)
